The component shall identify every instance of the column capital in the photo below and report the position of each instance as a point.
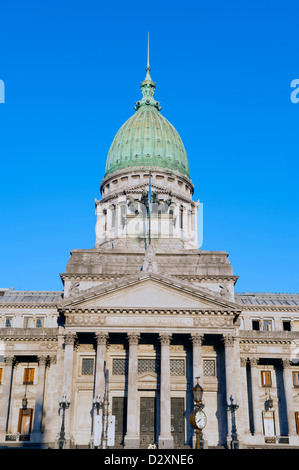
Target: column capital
(42, 360)
(228, 340)
(243, 361)
(165, 338)
(69, 337)
(286, 363)
(197, 339)
(10, 360)
(133, 338)
(101, 338)
(253, 361)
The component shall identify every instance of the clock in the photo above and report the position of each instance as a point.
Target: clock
(198, 419)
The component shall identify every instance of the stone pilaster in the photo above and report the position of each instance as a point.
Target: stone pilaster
(288, 389)
(100, 364)
(69, 341)
(197, 340)
(6, 396)
(36, 435)
(165, 438)
(132, 436)
(257, 413)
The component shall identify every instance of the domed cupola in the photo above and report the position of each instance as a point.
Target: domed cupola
(147, 139)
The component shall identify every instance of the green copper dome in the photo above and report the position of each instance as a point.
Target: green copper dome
(147, 138)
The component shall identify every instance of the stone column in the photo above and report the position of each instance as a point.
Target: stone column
(132, 436)
(233, 386)
(197, 370)
(39, 401)
(100, 364)
(257, 414)
(69, 340)
(244, 395)
(288, 389)
(6, 396)
(165, 438)
(229, 378)
(197, 358)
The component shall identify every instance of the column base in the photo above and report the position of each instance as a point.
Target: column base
(131, 442)
(36, 437)
(165, 442)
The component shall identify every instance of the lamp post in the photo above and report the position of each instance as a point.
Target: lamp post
(98, 405)
(64, 403)
(197, 418)
(233, 406)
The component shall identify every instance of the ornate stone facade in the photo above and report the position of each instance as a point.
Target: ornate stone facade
(140, 316)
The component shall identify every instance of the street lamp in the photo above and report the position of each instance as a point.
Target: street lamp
(233, 406)
(98, 403)
(64, 403)
(197, 418)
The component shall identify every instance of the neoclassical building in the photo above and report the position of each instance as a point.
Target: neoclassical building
(140, 316)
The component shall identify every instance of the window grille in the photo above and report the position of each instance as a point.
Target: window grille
(147, 365)
(87, 366)
(120, 367)
(177, 367)
(209, 367)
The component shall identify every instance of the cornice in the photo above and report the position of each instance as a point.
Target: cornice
(147, 311)
(10, 305)
(28, 334)
(269, 308)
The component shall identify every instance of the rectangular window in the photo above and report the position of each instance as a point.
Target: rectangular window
(296, 379)
(39, 322)
(286, 325)
(120, 366)
(25, 421)
(28, 376)
(8, 322)
(209, 368)
(27, 322)
(182, 217)
(297, 421)
(266, 378)
(87, 366)
(177, 367)
(267, 325)
(255, 325)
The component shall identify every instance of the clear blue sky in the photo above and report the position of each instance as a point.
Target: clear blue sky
(72, 72)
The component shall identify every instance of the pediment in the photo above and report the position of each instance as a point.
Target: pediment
(147, 290)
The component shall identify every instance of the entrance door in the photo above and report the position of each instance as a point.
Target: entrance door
(269, 426)
(119, 410)
(147, 421)
(25, 421)
(178, 422)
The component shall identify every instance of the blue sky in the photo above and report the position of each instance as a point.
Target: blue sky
(72, 73)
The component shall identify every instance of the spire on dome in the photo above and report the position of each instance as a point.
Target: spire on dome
(148, 77)
(148, 87)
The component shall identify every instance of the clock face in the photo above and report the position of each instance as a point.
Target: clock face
(200, 419)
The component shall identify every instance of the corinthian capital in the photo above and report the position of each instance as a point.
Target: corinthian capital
(197, 339)
(165, 339)
(101, 338)
(133, 338)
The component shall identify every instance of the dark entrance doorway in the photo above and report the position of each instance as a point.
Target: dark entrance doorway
(178, 422)
(147, 421)
(119, 410)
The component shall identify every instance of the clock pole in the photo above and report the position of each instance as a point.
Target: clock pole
(197, 417)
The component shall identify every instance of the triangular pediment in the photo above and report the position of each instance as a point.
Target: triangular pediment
(147, 290)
